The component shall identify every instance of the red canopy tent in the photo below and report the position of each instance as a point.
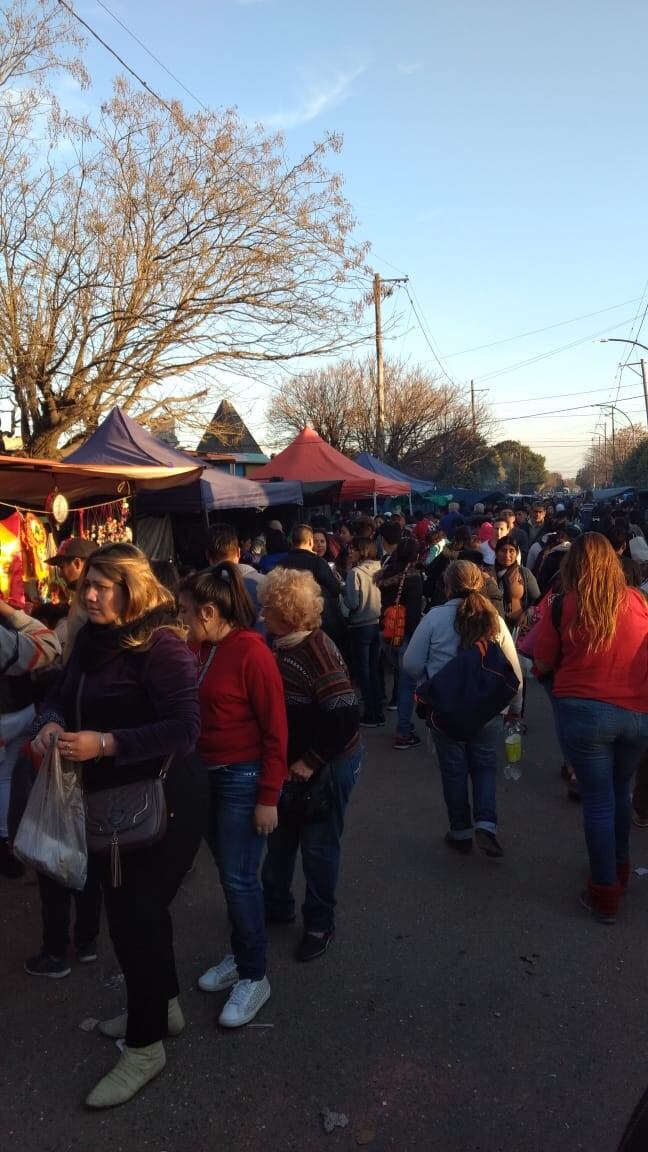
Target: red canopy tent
(312, 461)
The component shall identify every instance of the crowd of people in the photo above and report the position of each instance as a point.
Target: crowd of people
(245, 685)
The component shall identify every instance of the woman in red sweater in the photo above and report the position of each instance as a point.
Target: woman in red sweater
(243, 742)
(599, 656)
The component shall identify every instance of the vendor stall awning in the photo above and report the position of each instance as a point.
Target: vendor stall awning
(26, 482)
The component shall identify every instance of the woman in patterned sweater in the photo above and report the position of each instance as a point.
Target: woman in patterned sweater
(323, 722)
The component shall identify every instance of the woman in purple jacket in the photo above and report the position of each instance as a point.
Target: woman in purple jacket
(127, 699)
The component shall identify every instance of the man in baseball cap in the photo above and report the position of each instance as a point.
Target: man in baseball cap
(70, 559)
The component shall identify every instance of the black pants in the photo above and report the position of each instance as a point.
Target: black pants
(138, 911)
(56, 906)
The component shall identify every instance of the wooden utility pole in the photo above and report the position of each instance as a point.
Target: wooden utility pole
(380, 368)
(472, 406)
(378, 292)
(644, 377)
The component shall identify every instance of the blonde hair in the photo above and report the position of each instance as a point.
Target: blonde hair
(295, 598)
(476, 618)
(593, 571)
(129, 567)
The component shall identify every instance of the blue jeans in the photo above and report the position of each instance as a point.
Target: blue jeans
(605, 745)
(237, 849)
(475, 758)
(404, 684)
(365, 651)
(320, 850)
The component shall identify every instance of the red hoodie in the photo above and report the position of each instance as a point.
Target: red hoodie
(242, 709)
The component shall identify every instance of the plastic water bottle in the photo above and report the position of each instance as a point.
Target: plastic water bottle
(513, 752)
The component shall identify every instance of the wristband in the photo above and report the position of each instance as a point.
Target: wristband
(102, 746)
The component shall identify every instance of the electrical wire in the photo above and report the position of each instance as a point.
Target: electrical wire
(547, 328)
(546, 355)
(427, 336)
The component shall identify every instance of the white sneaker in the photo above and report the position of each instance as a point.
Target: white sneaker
(245, 1000)
(221, 976)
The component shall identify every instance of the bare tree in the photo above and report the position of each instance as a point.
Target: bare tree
(429, 427)
(324, 398)
(167, 244)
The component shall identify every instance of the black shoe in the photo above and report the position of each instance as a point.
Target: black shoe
(44, 965)
(465, 846)
(367, 722)
(310, 946)
(9, 865)
(488, 843)
(86, 953)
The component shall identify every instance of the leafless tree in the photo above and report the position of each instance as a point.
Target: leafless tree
(143, 246)
(428, 425)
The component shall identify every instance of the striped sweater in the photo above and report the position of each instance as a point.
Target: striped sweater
(322, 709)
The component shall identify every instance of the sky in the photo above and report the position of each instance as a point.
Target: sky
(494, 153)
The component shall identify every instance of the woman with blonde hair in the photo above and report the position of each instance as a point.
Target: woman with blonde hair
(323, 746)
(466, 618)
(127, 701)
(599, 657)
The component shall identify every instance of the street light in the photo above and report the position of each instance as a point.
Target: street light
(612, 409)
(644, 369)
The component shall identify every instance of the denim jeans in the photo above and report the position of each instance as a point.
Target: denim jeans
(404, 686)
(365, 651)
(320, 850)
(475, 758)
(237, 849)
(605, 745)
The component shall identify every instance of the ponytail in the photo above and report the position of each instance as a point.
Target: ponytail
(476, 618)
(222, 586)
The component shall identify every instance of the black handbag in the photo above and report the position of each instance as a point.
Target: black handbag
(124, 818)
(308, 801)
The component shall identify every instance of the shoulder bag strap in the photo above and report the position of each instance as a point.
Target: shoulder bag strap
(400, 586)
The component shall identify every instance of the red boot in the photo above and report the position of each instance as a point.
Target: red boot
(623, 874)
(602, 900)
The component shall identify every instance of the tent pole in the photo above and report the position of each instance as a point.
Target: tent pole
(375, 504)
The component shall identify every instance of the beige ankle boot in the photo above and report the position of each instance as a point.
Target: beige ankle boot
(134, 1069)
(115, 1029)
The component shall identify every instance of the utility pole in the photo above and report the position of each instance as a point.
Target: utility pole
(605, 454)
(472, 406)
(613, 445)
(380, 367)
(378, 291)
(644, 377)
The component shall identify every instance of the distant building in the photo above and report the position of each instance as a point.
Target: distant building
(227, 443)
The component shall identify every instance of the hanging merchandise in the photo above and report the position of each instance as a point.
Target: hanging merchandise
(34, 540)
(11, 561)
(105, 523)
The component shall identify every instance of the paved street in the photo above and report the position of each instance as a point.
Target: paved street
(466, 1005)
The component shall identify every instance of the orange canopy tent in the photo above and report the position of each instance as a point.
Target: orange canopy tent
(311, 460)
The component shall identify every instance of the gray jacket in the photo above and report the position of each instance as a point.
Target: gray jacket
(361, 595)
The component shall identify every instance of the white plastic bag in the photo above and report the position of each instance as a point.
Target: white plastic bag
(51, 835)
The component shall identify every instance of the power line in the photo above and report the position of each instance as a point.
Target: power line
(554, 396)
(560, 411)
(546, 355)
(547, 328)
(427, 337)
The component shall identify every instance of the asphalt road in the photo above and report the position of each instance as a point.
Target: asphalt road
(466, 1005)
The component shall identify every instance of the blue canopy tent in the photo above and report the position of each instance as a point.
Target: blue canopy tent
(373, 464)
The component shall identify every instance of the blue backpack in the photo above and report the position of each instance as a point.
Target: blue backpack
(471, 689)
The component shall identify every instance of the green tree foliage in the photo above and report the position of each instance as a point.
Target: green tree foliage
(524, 469)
